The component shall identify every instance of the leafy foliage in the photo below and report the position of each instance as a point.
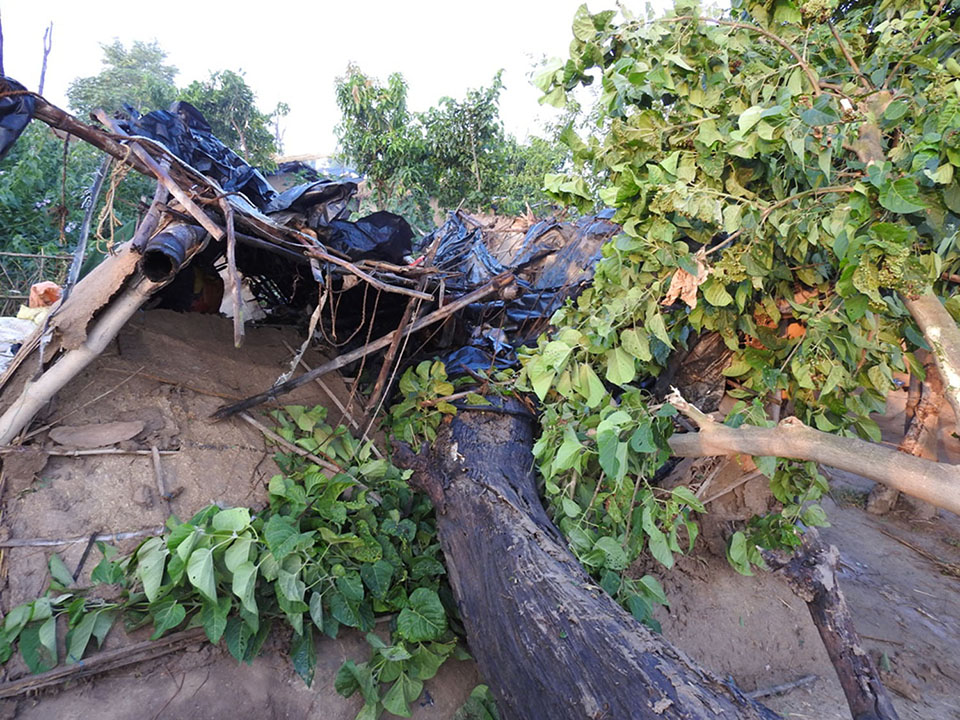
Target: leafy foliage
(230, 106)
(328, 552)
(455, 152)
(798, 194)
(138, 77)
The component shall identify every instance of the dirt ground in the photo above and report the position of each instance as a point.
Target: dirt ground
(170, 371)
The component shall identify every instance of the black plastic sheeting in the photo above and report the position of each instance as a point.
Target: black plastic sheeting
(16, 111)
(380, 236)
(322, 204)
(554, 261)
(185, 132)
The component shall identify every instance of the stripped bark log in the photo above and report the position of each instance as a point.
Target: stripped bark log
(932, 482)
(548, 641)
(812, 574)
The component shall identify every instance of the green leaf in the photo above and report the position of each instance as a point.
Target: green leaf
(167, 614)
(716, 294)
(765, 464)
(901, 197)
(659, 547)
(343, 611)
(244, 581)
(59, 571)
(570, 508)
(291, 585)
(281, 536)
(616, 557)
(394, 700)
(15, 620)
(896, 110)
(423, 618)
(79, 636)
(351, 586)
(637, 343)
(682, 493)
(653, 589)
(237, 636)
(749, 117)
(213, 618)
(737, 554)
(151, 558)
(316, 609)
(38, 645)
(822, 115)
(583, 28)
(352, 677)
(104, 621)
(238, 552)
(568, 452)
(232, 520)
(303, 655)
(377, 577)
(200, 573)
(814, 516)
(621, 369)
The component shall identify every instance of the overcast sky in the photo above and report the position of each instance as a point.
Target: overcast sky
(292, 50)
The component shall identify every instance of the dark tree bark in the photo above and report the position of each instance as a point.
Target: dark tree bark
(812, 573)
(549, 642)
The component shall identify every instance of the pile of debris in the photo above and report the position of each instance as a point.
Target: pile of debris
(218, 236)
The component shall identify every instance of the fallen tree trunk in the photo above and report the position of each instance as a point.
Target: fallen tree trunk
(549, 642)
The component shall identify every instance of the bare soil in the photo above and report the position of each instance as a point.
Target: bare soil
(171, 371)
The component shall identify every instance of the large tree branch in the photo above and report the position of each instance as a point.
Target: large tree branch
(935, 483)
(940, 330)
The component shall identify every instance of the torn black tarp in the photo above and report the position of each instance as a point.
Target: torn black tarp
(184, 131)
(380, 236)
(319, 201)
(16, 111)
(551, 261)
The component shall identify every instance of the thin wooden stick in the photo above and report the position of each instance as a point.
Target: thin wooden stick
(104, 661)
(327, 257)
(102, 537)
(495, 285)
(326, 463)
(233, 277)
(387, 365)
(783, 687)
(11, 449)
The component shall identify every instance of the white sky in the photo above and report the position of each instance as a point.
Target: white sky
(292, 50)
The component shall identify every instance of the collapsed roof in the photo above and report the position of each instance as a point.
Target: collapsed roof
(295, 251)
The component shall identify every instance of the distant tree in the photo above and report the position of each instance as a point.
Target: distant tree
(377, 133)
(230, 106)
(138, 77)
(465, 139)
(457, 152)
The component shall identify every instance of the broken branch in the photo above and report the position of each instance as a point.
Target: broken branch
(812, 573)
(936, 483)
(104, 661)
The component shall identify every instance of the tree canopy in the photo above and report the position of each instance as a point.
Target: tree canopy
(138, 76)
(783, 179)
